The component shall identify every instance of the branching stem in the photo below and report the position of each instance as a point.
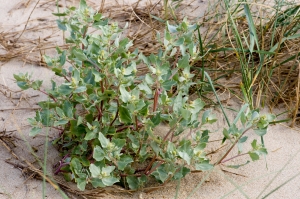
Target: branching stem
(236, 141)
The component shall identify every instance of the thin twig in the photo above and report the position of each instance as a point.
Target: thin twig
(8, 148)
(28, 20)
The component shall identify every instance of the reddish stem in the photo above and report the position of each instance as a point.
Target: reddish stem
(152, 170)
(48, 95)
(117, 114)
(136, 124)
(156, 95)
(124, 175)
(236, 141)
(150, 164)
(233, 157)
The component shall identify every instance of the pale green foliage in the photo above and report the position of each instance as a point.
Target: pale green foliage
(112, 138)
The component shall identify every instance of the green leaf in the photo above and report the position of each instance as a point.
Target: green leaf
(132, 182)
(167, 85)
(270, 117)
(252, 28)
(134, 142)
(76, 165)
(185, 114)
(172, 29)
(243, 139)
(109, 181)
(76, 130)
(240, 143)
(144, 111)
(178, 103)
(82, 5)
(95, 171)
(204, 166)
(60, 14)
(107, 170)
(155, 147)
(97, 75)
(144, 87)
(208, 117)
(34, 131)
(60, 122)
(124, 161)
(23, 85)
(179, 42)
(61, 25)
(18, 77)
(68, 109)
(145, 59)
(32, 121)
(80, 89)
(181, 173)
(197, 105)
(125, 95)
(96, 182)
(97, 17)
(48, 60)
(156, 119)
(254, 156)
(103, 140)
(125, 115)
(98, 154)
(60, 112)
(184, 155)
(81, 183)
(254, 144)
(140, 105)
(79, 120)
(79, 54)
(120, 143)
(160, 173)
(184, 61)
(65, 89)
(36, 84)
(261, 132)
(44, 115)
(90, 135)
(237, 166)
(149, 80)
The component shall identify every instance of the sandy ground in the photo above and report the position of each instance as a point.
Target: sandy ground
(282, 142)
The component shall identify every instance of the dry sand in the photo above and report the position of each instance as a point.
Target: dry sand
(282, 142)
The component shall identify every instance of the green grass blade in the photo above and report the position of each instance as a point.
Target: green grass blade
(244, 107)
(280, 171)
(236, 185)
(215, 93)
(252, 27)
(274, 190)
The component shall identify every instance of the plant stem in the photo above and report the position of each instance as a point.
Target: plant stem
(57, 128)
(233, 157)
(117, 114)
(48, 95)
(99, 113)
(149, 166)
(170, 131)
(152, 170)
(236, 141)
(136, 124)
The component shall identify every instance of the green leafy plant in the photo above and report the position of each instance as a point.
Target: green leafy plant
(107, 115)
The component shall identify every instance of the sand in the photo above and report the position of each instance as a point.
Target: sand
(282, 142)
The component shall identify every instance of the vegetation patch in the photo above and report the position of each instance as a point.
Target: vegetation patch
(107, 115)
